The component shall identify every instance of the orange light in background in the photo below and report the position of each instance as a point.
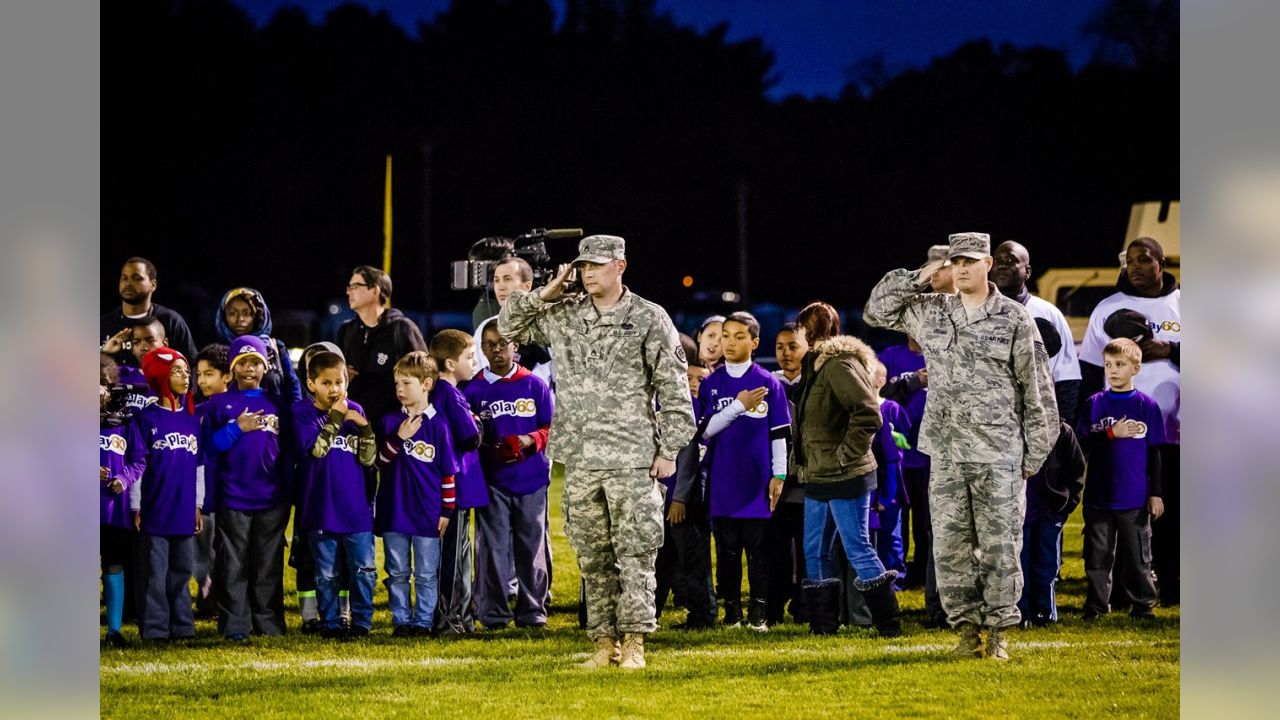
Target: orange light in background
(687, 281)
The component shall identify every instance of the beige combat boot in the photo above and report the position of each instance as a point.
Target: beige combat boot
(605, 654)
(998, 644)
(970, 644)
(632, 651)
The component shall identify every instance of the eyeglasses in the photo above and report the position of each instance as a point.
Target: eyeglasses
(494, 346)
(353, 286)
(180, 372)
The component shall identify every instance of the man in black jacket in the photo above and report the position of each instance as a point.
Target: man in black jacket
(373, 342)
(137, 285)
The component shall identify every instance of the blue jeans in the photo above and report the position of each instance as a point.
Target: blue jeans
(360, 568)
(889, 539)
(823, 520)
(1041, 559)
(426, 572)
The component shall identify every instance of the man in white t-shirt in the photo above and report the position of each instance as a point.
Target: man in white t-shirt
(514, 273)
(1145, 287)
(1011, 269)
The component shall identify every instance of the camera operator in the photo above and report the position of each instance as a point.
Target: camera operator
(616, 354)
(514, 273)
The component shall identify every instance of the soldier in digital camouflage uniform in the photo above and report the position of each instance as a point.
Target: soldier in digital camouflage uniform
(622, 413)
(990, 422)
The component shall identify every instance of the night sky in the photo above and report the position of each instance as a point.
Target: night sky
(816, 41)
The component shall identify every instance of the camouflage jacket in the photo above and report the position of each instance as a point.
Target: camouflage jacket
(622, 392)
(990, 392)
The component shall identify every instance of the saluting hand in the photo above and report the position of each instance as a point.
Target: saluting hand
(555, 288)
(927, 270)
(115, 343)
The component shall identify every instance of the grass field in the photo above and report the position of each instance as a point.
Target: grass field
(1110, 668)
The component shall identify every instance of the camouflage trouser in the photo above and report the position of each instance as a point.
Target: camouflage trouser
(977, 511)
(614, 522)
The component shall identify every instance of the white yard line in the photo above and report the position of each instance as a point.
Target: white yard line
(375, 664)
(368, 664)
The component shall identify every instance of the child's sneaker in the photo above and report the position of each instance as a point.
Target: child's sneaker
(402, 631)
(757, 615)
(116, 640)
(732, 614)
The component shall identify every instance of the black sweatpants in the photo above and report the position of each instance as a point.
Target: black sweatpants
(785, 548)
(733, 537)
(684, 566)
(915, 525)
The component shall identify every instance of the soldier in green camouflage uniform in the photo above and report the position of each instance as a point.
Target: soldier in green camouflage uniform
(622, 413)
(990, 422)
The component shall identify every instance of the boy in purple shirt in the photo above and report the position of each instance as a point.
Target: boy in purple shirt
(515, 409)
(416, 496)
(253, 468)
(890, 496)
(455, 357)
(334, 445)
(122, 459)
(166, 500)
(300, 557)
(1120, 433)
(213, 377)
(750, 422)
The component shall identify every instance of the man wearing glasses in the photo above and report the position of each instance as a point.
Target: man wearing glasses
(373, 342)
(622, 414)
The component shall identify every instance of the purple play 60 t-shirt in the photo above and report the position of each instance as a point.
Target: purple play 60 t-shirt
(739, 458)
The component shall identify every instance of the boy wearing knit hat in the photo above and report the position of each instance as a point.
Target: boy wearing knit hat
(252, 489)
(165, 502)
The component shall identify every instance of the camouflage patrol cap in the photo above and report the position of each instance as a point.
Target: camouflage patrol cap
(601, 249)
(971, 245)
(939, 252)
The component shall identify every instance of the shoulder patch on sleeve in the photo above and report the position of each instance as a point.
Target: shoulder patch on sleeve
(679, 353)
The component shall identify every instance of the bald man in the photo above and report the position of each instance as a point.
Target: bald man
(1010, 272)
